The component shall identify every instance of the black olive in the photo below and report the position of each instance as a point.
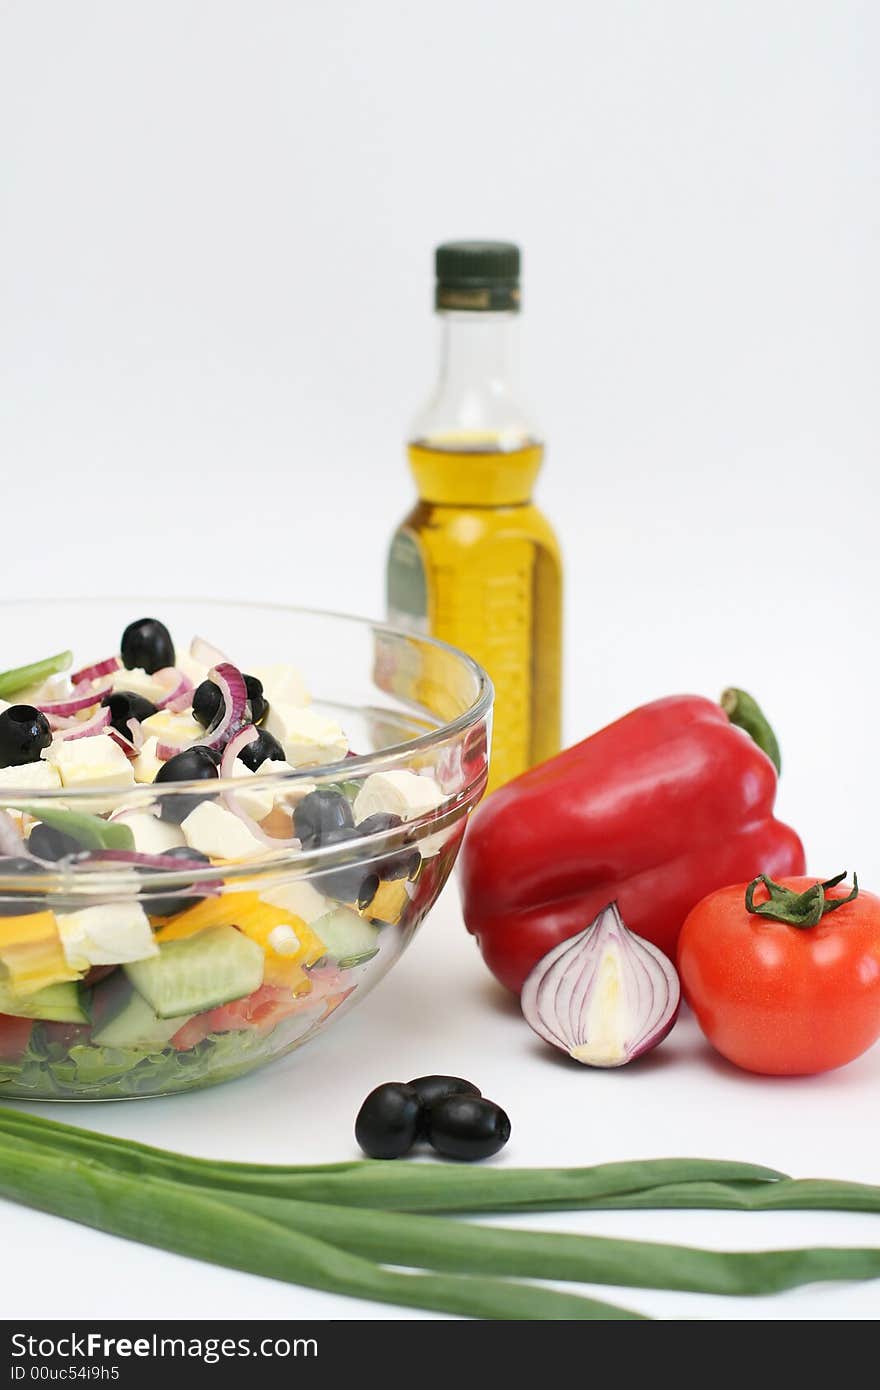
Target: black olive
(320, 814)
(431, 1089)
(467, 1127)
(13, 904)
(351, 882)
(167, 907)
(146, 645)
(265, 748)
(24, 733)
(192, 765)
(124, 705)
(388, 1121)
(208, 702)
(404, 862)
(48, 843)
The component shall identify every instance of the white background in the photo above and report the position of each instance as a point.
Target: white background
(216, 223)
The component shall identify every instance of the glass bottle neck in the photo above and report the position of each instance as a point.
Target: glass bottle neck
(474, 443)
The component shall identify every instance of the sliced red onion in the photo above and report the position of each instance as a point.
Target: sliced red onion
(63, 708)
(604, 996)
(124, 743)
(234, 692)
(206, 653)
(77, 728)
(179, 688)
(227, 764)
(136, 730)
(99, 668)
(147, 861)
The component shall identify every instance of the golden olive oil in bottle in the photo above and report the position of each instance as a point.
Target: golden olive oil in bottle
(475, 562)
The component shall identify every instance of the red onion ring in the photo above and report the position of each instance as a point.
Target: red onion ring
(233, 691)
(100, 668)
(604, 996)
(76, 728)
(179, 685)
(63, 708)
(149, 861)
(241, 740)
(124, 743)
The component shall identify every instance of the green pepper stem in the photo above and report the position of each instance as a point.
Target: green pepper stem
(745, 712)
(798, 909)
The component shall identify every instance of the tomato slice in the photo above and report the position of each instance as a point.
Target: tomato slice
(15, 1034)
(260, 1010)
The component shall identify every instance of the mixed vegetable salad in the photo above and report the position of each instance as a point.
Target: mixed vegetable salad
(196, 969)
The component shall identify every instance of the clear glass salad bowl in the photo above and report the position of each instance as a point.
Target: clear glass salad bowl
(134, 965)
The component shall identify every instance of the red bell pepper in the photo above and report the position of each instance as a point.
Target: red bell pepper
(655, 811)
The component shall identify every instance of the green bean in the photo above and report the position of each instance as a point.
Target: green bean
(465, 1248)
(192, 1221)
(22, 676)
(400, 1186)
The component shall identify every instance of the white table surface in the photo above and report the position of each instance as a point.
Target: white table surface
(439, 1010)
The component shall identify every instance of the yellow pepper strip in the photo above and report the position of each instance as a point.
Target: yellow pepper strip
(32, 953)
(258, 920)
(388, 902)
(223, 911)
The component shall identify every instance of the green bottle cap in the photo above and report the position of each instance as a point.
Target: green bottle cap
(477, 275)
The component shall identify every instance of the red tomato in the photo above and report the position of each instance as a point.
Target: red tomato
(781, 999)
(15, 1034)
(260, 1010)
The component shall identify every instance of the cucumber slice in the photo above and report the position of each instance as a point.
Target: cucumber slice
(348, 938)
(199, 972)
(132, 1023)
(61, 1003)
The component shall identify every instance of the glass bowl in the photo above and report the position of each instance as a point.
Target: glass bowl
(267, 944)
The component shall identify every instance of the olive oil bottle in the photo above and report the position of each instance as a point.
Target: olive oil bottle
(475, 562)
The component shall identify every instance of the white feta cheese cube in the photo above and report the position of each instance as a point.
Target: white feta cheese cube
(282, 683)
(404, 794)
(147, 763)
(151, 835)
(308, 739)
(178, 730)
(94, 761)
(34, 777)
(255, 801)
(111, 934)
(300, 898)
(138, 681)
(220, 833)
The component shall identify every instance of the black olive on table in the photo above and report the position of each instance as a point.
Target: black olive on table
(388, 1121)
(467, 1127)
(432, 1089)
(124, 705)
(24, 733)
(265, 748)
(208, 702)
(192, 765)
(147, 646)
(169, 906)
(320, 814)
(13, 904)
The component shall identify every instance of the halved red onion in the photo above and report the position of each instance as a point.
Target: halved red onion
(604, 996)
(77, 728)
(227, 765)
(205, 652)
(99, 668)
(63, 708)
(179, 688)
